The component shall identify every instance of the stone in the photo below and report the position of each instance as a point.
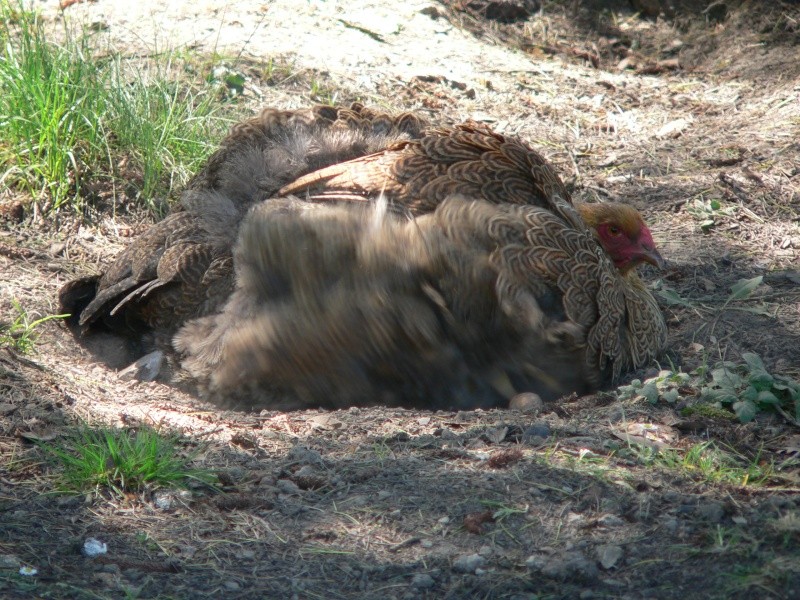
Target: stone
(713, 512)
(609, 556)
(468, 563)
(422, 581)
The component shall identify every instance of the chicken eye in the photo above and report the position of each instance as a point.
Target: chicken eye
(614, 231)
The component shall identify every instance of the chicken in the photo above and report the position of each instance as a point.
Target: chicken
(383, 263)
(181, 268)
(462, 308)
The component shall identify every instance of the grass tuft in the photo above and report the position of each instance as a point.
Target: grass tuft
(68, 115)
(164, 127)
(712, 463)
(122, 461)
(51, 106)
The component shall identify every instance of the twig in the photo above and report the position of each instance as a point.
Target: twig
(19, 358)
(599, 190)
(375, 36)
(574, 163)
(404, 544)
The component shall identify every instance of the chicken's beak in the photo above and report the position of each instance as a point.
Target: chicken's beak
(651, 255)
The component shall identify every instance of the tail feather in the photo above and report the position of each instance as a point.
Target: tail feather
(99, 305)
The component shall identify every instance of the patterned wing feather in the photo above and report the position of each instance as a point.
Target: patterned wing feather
(468, 159)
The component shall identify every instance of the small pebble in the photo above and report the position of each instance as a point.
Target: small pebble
(712, 512)
(609, 556)
(94, 547)
(571, 566)
(356, 501)
(9, 561)
(468, 563)
(535, 563)
(671, 525)
(163, 500)
(145, 369)
(287, 486)
(529, 403)
(68, 501)
(536, 433)
(305, 455)
(610, 521)
(422, 581)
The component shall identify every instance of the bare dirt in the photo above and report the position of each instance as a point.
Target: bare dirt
(666, 112)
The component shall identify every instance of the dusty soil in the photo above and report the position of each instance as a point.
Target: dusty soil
(700, 103)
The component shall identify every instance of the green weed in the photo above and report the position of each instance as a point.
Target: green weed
(382, 451)
(21, 333)
(229, 81)
(740, 291)
(322, 93)
(501, 511)
(276, 72)
(710, 212)
(749, 388)
(727, 389)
